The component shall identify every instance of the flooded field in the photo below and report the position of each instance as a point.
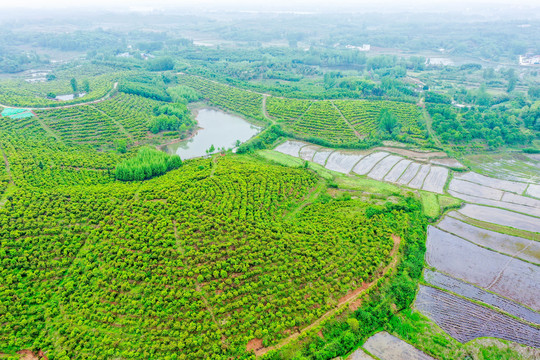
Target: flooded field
(528, 250)
(383, 167)
(465, 321)
(291, 147)
(342, 162)
(388, 347)
(367, 163)
(307, 152)
(398, 169)
(436, 179)
(504, 275)
(472, 292)
(378, 165)
(218, 129)
(501, 217)
(512, 186)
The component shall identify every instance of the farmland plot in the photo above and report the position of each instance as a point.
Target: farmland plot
(521, 200)
(409, 174)
(472, 292)
(502, 204)
(504, 275)
(307, 152)
(388, 347)
(512, 186)
(290, 147)
(397, 171)
(383, 167)
(321, 156)
(534, 190)
(342, 162)
(448, 162)
(501, 217)
(525, 249)
(436, 179)
(465, 321)
(366, 164)
(418, 180)
(359, 354)
(469, 188)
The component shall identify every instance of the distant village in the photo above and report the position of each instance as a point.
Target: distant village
(529, 59)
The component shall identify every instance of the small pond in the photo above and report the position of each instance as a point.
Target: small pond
(216, 128)
(68, 97)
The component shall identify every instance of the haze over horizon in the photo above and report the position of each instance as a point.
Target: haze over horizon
(298, 5)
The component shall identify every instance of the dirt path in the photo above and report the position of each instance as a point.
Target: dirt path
(429, 121)
(118, 125)
(214, 164)
(48, 130)
(6, 162)
(309, 200)
(346, 121)
(11, 185)
(107, 96)
(265, 111)
(343, 302)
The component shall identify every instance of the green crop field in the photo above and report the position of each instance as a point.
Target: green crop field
(215, 264)
(131, 111)
(227, 97)
(81, 124)
(364, 116)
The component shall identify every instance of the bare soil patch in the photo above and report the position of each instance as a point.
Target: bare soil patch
(254, 344)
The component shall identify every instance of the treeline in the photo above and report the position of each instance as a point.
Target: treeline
(144, 90)
(148, 86)
(146, 164)
(495, 126)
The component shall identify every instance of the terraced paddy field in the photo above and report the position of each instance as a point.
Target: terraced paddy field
(485, 278)
(465, 320)
(502, 274)
(512, 166)
(378, 165)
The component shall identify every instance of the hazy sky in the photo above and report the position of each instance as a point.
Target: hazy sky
(266, 4)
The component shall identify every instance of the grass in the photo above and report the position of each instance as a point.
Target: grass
(430, 204)
(448, 202)
(367, 185)
(288, 160)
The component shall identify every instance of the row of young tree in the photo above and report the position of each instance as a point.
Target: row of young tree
(146, 164)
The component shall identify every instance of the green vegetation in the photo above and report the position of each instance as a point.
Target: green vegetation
(378, 305)
(111, 249)
(146, 164)
(133, 112)
(175, 264)
(494, 127)
(180, 92)
(171, 117)
(227, 97)
(18, 92)
(143, 89)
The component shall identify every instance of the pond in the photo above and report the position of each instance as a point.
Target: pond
(68, 97)
(216, 128)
